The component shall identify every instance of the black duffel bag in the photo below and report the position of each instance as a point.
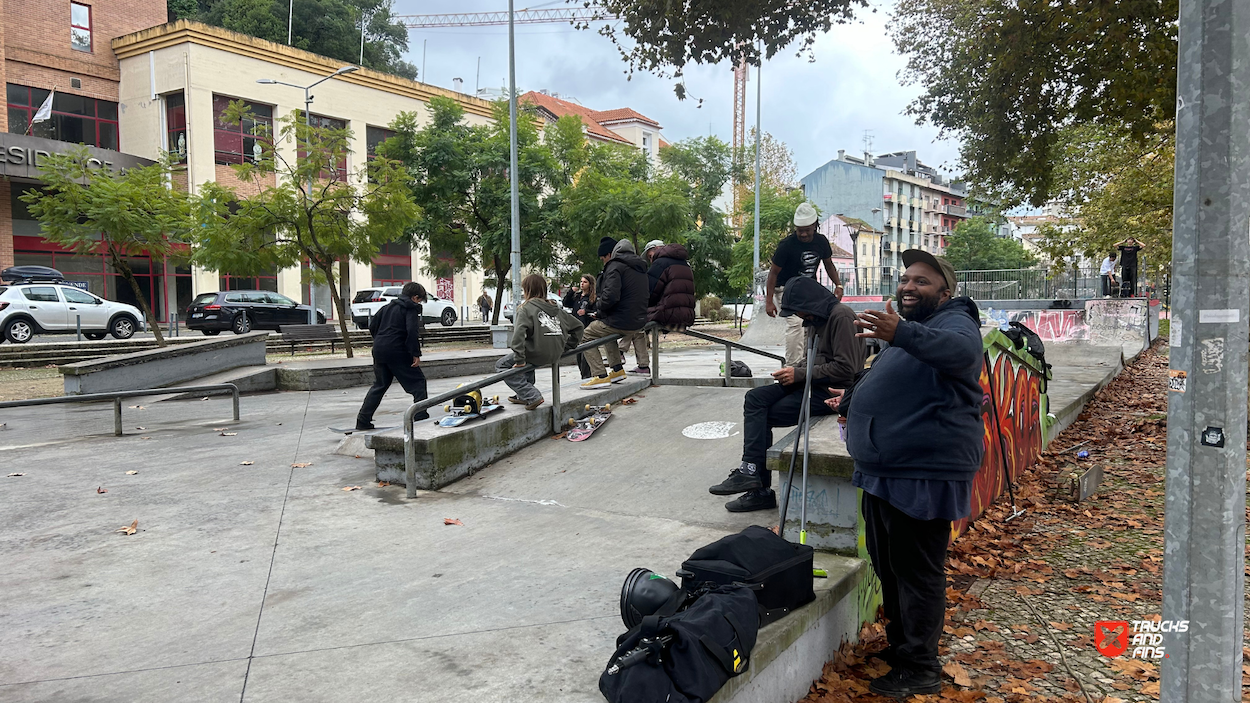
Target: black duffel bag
(778, 570)
(687, 650)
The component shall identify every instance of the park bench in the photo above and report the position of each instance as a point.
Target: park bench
(301, 334)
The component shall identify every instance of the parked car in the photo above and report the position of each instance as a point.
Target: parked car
(242, 311)
(368, 301)
(27, 309)
(508, 307)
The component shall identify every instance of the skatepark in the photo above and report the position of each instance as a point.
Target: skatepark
(271, 564)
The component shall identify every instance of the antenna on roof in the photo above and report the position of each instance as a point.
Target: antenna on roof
(867, 147)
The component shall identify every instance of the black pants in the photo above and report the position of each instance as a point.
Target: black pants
(384, 372)
(1107, 288)
(772, 406)
(909, 557)
(1128, 282)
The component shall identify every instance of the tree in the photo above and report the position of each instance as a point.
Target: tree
(665, 36)
(1006, 78)
(316, 213)
(777, 167)
(459, 173)
(327, 27)
(776, 222)
(973, 246)
(92, 210)
(705, 165)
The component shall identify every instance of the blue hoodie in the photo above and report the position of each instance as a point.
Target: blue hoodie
(917, 413)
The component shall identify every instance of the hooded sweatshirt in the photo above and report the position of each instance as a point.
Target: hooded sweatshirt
(839, 353)
(543, 332)
(917, 413)
(622, 290)
(672, 288)
(396, 331)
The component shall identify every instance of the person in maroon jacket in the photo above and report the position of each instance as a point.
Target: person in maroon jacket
(671, 304)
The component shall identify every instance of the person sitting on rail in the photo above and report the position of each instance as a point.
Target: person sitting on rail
(543, 331)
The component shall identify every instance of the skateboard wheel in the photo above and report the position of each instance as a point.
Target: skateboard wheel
(607, 408)
(572, 422)
(587, 407)
(446, 408)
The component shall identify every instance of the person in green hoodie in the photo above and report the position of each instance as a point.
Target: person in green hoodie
(542, 332)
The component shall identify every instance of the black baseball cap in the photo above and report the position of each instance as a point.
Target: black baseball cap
(937, 263)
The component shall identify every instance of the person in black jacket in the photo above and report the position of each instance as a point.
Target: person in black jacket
(396, 331)
(914, 430)
(621, 308)
(839, 356)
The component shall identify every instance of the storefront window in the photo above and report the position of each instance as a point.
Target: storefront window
(233, 143)
(158, 281)
(176, 127)
(266, 281)
(74, 118)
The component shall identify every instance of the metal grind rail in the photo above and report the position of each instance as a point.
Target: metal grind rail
(116, 397)
(410, 452)
(729, 347)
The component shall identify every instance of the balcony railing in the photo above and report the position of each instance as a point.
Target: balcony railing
(958, 210)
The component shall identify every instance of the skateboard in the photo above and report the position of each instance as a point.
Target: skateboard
(467, 407)
(353, 430)
(581, 429)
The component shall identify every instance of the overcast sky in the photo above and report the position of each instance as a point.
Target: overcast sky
(814, 107)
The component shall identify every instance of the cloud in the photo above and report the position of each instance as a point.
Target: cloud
(816, 108)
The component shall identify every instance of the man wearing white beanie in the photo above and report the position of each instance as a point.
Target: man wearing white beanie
(798, 255)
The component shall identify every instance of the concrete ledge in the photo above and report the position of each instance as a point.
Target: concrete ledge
(1092, 379)
(716, 381)
(347, 373)
(791, 653)
(248, 379)
(832, 502)
(166, 366)
(445, 455)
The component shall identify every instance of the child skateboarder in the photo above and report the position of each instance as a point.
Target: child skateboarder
(543, 331)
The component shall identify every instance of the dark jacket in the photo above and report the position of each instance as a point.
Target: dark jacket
(671, 303)
(622, 293)
(543, 331)
(917, 413)
(839, 353)
(396, 331)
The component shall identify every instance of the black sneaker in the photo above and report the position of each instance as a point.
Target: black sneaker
(758, 499)
(737, 482)
(365, 426)
(903, 682)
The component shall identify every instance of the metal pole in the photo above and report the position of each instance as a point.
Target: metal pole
(422, 77)
(477, 82)
(117, 416)
(290, 12)
(312, 288)
(362, 39)
(729, 360)
(78, 325)
(759, 82)
(555, 398)
(1204, 523)
(512, 171)
(655, 355)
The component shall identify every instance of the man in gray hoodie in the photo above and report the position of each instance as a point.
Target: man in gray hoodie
(541, 334)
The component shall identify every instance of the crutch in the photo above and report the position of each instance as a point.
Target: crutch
(802, 429)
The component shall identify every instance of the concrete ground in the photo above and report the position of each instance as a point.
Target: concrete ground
(268, 582)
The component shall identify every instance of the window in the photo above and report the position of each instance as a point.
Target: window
(322, 122)
(73, 295)
(276, 299)
(233, 143)
(391, 274)
(374, 136)
(267, 282)
(41, 294)
(396, 249)
(75, 118)
(80, 27)
(176, 127)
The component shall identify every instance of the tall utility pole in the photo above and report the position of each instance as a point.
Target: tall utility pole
(759, 134)
(1204, 526)
(513, 174)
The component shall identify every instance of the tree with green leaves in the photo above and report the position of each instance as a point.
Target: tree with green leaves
(93, 210)
(459, 173)
(776, 222)
(327, 27)
(317, 213)
(705, 165)
(1007, 78)
(974, 246)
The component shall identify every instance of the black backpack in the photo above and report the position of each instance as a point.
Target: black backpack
(685, 651)
(1025, 338)
(779, 570)
(739, 369)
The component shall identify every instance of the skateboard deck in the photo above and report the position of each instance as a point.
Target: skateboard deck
(580, 430)
(458, 419)
(353, 430)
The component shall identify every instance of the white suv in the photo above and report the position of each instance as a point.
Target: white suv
(27, 309)
(369, 301)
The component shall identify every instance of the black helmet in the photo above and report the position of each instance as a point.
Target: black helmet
(643, 594)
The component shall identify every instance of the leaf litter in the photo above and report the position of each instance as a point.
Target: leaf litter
(129, 529)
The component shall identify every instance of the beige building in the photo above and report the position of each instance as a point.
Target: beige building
(622, 125)
(176, 79)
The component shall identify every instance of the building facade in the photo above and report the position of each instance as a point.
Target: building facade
(624, 125)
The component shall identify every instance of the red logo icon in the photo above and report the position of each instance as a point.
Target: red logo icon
(1111, 637)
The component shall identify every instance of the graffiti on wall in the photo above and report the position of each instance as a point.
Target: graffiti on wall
(1050, 325)
(1012, 395)
(1117, 321)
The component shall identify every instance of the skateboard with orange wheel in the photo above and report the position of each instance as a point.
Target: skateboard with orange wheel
(580, 430)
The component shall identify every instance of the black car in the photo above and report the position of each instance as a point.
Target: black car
(245, 310)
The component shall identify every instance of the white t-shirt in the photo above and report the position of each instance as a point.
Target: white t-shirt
(1108, 266)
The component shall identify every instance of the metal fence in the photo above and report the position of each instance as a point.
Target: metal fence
(1004, 284)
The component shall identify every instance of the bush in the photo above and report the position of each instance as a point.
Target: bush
(711, 307)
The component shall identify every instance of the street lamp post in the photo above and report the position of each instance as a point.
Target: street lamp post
(308, 98)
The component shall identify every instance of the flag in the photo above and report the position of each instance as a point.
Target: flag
(45, 111)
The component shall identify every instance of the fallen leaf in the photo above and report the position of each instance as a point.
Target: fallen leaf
(131, 473)
(145, 438)
(452, 521)
(228, 434)
(629, 401)
(351, 488)
(12, 475)
(301, 465)
(246, 463)
(560, 436)
(957, 673)
(220, 429)
(1150, 688)
(101, 489)
(129, 529)
(137, 407)
(140, 428)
